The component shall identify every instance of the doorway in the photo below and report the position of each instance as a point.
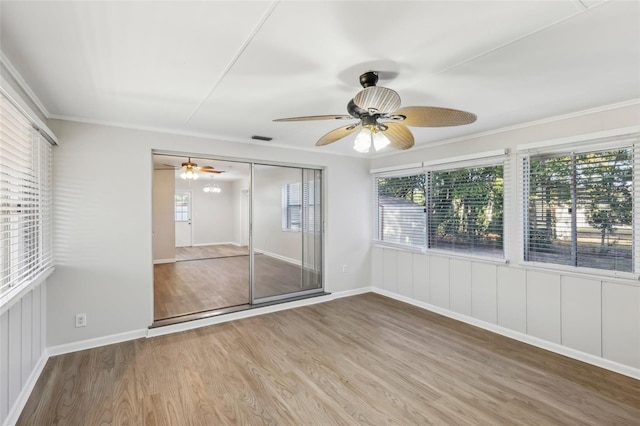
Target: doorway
(243, 235)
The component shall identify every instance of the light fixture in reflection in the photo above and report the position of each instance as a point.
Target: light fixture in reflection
(212, 188)
(368, 137)
(189, 173)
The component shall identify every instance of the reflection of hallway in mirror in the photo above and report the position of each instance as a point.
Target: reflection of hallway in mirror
(214, 277)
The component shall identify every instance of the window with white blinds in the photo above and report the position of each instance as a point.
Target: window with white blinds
(579, 209)
(401, 209)
(299, 201)
(291, 207)
(466, 210)
(457, 209)
(25, 200)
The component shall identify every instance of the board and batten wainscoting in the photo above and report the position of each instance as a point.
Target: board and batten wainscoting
(23, 349)
(592, 319)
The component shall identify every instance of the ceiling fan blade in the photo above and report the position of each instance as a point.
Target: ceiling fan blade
(317, 117)
(337, 134)
(399, 135)
(210, 171)
(171, 166)
(427, 116)
(378, 99)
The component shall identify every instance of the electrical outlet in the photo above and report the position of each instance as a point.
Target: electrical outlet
(344, 268)
(81, 320)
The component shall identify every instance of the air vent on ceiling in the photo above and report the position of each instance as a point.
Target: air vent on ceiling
(261, 138)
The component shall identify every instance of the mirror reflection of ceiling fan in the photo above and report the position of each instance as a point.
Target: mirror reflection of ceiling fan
(191, 168)
(381, 121)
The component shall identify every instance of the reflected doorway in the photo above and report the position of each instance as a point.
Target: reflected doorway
(206, 257)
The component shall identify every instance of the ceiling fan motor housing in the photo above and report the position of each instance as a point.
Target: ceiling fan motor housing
(369, 78)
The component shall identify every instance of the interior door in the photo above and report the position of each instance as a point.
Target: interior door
(183, 219)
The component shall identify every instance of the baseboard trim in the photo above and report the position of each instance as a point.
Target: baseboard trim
(214, 244)
(160, 261)
(516, 335)
(97, 342)
(279, 257)
(16, 409)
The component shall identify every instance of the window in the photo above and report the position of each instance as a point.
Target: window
(401, 209)
(299, 201)
(291, 207)
(25, 200)
(466, 207)
(458, 209)
(182, 207)
(579, 209)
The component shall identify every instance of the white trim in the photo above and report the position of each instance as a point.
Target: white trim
(403, 167)
(13, 72)
(516, 335)
(161, 261)
(18, 405)
(479, 156)
(629, 278)
(630, 132)
(96, 342)
(8, 299)
(24, 108)
(279, 257)
(547, 120)
(203, 135)
(205, 322)
(214, 244)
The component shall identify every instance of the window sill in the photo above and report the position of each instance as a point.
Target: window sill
(582, 272)
(15, 294)
(445, 253)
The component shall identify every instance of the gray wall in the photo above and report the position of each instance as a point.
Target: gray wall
(102, 230)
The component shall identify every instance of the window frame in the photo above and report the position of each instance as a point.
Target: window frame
(479, 160)
(577, 148)
(32, 262)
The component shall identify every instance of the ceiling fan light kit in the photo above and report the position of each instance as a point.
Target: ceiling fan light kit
(190, 170)
(382, 122)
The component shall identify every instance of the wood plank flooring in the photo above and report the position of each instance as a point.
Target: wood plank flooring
(365, 359)
(219, 281)
(210, 252)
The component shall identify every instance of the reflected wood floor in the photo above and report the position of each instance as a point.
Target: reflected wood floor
(206, 284)
(210, 252)
(364, 359)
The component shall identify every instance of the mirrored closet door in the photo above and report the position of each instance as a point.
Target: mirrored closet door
(230, 234)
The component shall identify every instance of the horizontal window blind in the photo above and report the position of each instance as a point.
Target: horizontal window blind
(579, 209)
(466, 208)
(401, 209)
(25, 199)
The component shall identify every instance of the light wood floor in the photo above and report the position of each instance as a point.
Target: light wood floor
(219, 281)
(360, 360)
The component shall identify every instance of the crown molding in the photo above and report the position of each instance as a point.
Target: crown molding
(547, 120)
(202, 135)
(15, 75)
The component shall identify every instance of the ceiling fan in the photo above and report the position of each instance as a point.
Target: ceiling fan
(191, 168)
(381, 121)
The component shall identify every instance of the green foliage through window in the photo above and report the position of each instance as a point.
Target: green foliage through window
(580, 210)
(459, 210)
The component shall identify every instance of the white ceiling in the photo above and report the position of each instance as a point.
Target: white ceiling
(228, 68)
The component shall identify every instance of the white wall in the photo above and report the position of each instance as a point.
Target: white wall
(163, 218)
(102, 229)
(588, 316)
(212, 213)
